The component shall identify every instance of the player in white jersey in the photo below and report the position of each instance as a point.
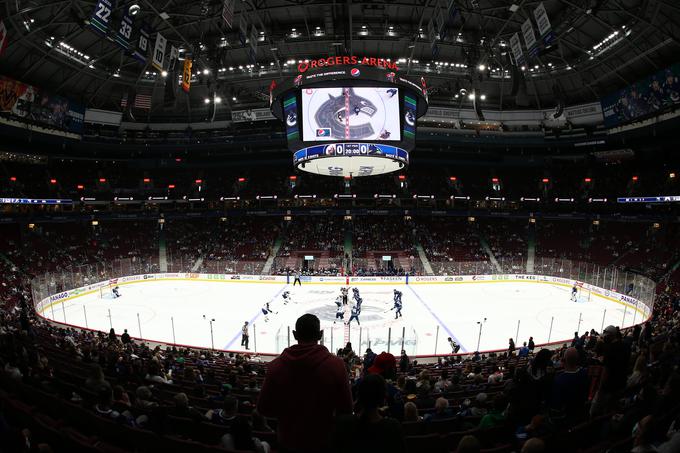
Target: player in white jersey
(266, 311)
(116, 292)
(286, 297)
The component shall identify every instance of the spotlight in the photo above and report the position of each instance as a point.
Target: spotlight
(164, 73)
(471, 96)
(134, 9)
(218, 100)
(482, 67)
(206, 71)
(483, 97)
(206, 101)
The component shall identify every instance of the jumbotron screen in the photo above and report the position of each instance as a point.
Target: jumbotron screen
(351, 113)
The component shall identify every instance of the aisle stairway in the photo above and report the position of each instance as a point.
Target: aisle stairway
(531, 251)
(272, 255)
(489, 252)
(427, 267)
(162, 252)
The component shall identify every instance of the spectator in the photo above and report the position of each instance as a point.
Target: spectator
(511, 346)
(182, 408)
(125, 338)
(226, 415)
(469, 444)
(523, 351)
(96, 381)
(304, 388)
(570, 387)
(496, 415)
(369, 431)
(411, 412)
(533, 445)
(403, 362)
(369, 358)
(496, 377)
(443, 384)
(532, 346)
(615, 356)
(441, 410)
(241, 438)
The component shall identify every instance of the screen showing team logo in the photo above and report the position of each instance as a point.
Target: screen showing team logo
(351, 113)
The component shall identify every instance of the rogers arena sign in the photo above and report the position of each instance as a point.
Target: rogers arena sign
(349, 60)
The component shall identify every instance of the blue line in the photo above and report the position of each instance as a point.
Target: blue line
(448, 331)
(259, 313)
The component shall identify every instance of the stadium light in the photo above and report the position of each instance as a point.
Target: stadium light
(494, 179)
(483, 97)
(171, 186)
(482, 67)
(634, 178)
(53, 181)
(671, 175)
(453, 178)
(199, 181)
(545, 180)
(218, 100)
(147, 180)
(102, 180)
(587, 180)
(292, 178)
(80, 187)
(402, 177)
(206, 101)
(206, 71)
(13, 178)
(134, 9)
(241, 179)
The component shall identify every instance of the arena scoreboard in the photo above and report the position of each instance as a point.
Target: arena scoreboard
(349, 116)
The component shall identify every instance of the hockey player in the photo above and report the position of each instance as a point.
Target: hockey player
(116, 292)
(340, 314)
(355, 293)
(359, 302)
(286, 297)
(574, 293)
(266, 310)
(356, 311)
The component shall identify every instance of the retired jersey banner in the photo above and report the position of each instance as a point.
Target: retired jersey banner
(186, 75)
(172, 58)
(101, 16)
(543, 23)
(516, 48)
(529, 37)
(142, 48)
(158, 56)
(3, 37)
(123, 36)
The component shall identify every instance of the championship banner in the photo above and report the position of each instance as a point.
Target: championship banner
(142, 48)
(516, 48)
(186, 75)
(529, 38)
(124, 35)
(101, 16)
(3, 37)
(228, 12)
(158, 56)
(544, 27)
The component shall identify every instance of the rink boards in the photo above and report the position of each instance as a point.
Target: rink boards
(632, 303)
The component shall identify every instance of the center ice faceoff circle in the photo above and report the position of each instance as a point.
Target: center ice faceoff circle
(194, 310)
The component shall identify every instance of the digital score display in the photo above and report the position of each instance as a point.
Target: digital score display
(351, 113)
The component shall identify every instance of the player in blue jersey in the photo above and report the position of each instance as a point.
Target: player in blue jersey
(356, 311)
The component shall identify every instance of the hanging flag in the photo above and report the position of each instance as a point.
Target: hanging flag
(253, 44)
(242, 29)
(543, 23)
(516, 48)
(142, 48)
(228, 12)
(186, 75)
(172, 58)
(3, 37)
(124, 35)
(158, 56)
(529, 37)
(272, 86)
(100, 19)
(140, 101)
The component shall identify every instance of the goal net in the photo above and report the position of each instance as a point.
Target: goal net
(106, 291)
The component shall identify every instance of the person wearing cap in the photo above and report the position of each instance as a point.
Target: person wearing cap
(304, 389)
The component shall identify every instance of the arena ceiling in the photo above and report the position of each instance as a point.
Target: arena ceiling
(599, 46)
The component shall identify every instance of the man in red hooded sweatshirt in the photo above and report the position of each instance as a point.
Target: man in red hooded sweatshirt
(305, 387)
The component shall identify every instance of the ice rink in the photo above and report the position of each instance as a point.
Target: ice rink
(180, 312)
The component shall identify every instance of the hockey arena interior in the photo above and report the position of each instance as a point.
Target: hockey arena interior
(445, 226)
